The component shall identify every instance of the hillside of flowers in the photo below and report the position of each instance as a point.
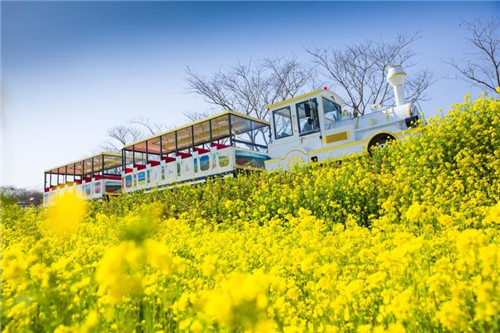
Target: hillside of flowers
(407, 239)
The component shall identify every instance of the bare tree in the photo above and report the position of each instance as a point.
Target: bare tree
(483, 70)
(194, 116)
(134, 130)
(24, 197)
(152, 129)
(249, 88)
(288, 77)
(119, 136)
(358, 72)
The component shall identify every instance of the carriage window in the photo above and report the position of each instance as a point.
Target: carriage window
(307, 112)
(282, 123)
(332, 113)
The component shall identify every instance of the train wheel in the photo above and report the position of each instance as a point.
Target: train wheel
(380, 140)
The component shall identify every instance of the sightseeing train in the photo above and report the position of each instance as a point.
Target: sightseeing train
(308, 128)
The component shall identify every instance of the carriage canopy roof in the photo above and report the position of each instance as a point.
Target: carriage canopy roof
(216, 127)
(322, 92)
(84, 165)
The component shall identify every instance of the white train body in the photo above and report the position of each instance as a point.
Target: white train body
(222, 161)
(313, 127)
(307, 128)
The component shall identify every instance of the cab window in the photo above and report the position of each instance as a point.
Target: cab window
(282, 123)
(307, 114)
(332, 113)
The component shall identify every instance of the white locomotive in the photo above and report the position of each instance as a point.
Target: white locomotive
(313, 127)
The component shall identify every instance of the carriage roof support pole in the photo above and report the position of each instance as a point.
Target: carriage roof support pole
(161, 148)
(210, 131)
(230, 131)
(83, 169)
(66, 174)
(102, 165)
(92, 171)
(74, 171)
(192, 138)
(133, 156)
(44, 181)
(57, 176)
(124, 159)
(176, 147)
(147, 153)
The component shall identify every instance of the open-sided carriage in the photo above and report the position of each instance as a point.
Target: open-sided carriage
(93, 177)
(214, 146)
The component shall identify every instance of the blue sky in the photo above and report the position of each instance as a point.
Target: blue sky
(71, 70)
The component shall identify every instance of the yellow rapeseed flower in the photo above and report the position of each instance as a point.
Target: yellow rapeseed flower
(66, 213)
(493, 216)
(405, 239)
(415, 212)
(218, 306)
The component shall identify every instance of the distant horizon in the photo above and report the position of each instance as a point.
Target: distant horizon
(72, 70)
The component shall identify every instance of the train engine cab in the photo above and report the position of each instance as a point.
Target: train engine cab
(314, 127)
(93, 177)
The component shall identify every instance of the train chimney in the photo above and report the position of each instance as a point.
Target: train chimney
(396, 78)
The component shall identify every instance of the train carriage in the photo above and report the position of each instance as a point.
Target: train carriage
(93, 177)
(213, 146)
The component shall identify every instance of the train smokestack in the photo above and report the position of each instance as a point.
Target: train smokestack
(396, 78)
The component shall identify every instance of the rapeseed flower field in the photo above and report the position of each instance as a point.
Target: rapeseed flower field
(404, 240)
